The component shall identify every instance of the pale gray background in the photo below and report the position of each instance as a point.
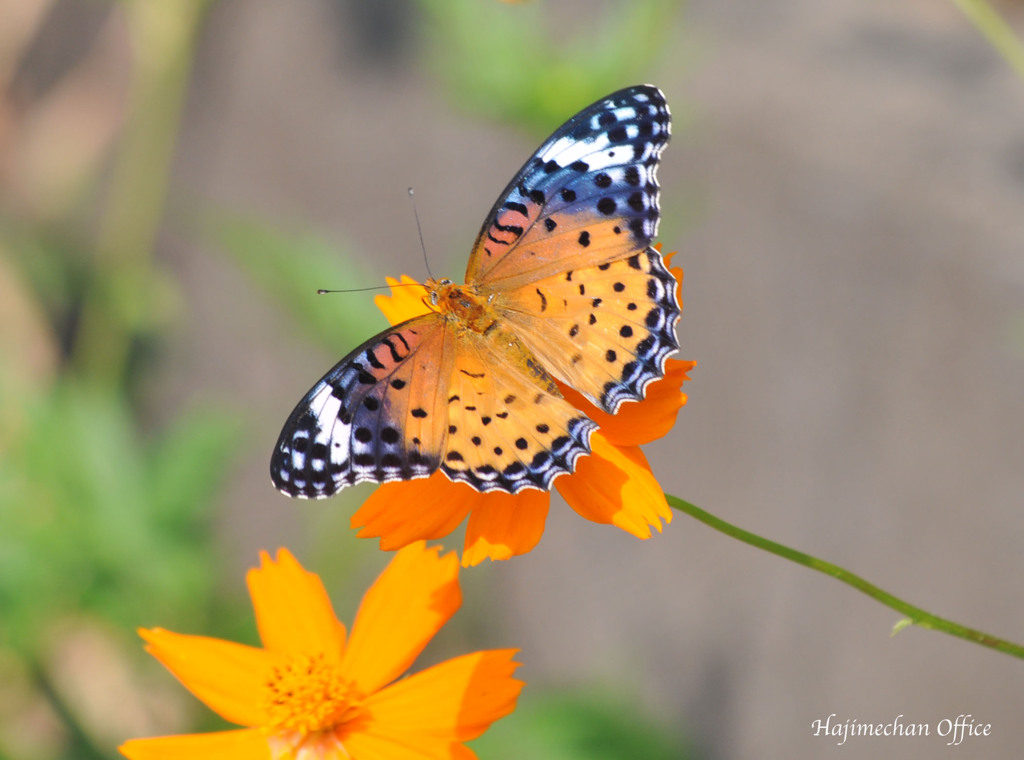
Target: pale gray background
(846, 189)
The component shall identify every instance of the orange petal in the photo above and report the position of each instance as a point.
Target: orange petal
(247, 744)
(615, 485)
(228, 677)
(451, 702)
(397, 746)
(503, 525)
(410, 601)
(293, 612)
(405, 302)
(639, 422)
(403, 512)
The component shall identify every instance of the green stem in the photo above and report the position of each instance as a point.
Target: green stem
(998, 33)
(84, 745)
(915, 615)
(118, 303)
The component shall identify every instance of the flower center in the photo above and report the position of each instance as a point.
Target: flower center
(307, 695)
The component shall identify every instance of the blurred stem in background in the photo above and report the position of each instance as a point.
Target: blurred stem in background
(999, 34)
(106, 522)
(119, 301)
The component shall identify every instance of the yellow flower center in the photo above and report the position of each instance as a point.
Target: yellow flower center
(307, 695)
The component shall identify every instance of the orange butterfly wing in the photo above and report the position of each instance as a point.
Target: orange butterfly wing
(565, 255)
(377, 416)
(606, 330)
(588, 195)
(431, 393)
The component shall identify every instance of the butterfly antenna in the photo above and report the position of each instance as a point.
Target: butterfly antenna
(423, 247)
(322, 291)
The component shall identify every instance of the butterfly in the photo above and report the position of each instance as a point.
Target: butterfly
(562, 284)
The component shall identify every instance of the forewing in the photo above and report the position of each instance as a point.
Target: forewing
(588, 195)
(509, 428)
(606, 330)
(377, 416)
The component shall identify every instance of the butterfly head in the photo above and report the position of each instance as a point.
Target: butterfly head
(435, 289)
(460, 302)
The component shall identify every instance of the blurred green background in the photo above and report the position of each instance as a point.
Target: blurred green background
(178, 177)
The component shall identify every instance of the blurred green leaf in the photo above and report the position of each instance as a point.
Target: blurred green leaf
(188, 462)
(99, 520)
(578, 725)
(290, 266)
(509, 62)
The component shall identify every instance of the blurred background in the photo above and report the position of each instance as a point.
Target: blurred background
(844, 185)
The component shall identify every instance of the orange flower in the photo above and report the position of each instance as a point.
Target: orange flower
(311, 695)
(612, 485)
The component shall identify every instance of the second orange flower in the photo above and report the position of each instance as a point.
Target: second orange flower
(313, 693)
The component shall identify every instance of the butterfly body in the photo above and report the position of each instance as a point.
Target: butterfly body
(561, 284)
(463, 304)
